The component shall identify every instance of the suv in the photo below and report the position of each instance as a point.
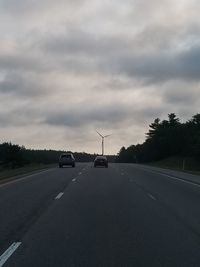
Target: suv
(66, 159)
(101, 161)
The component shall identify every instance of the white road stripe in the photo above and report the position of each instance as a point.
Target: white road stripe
(24, 177)
(80, 173)
(175, 178)
(59, 195)
(74, 180)
(182, 180)
(152, 197)
(6, 255)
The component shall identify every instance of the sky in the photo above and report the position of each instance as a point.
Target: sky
(71, 67)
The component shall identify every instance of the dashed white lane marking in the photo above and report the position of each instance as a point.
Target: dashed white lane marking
(59, 195)
(152, 197)
(6, 255)
(80, 173)
(74, 180)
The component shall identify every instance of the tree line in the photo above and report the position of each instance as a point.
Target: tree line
(14, 156)
(165, 139)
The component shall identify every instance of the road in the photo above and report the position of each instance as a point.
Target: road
(126, 215)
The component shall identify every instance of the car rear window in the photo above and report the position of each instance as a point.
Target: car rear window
(66, 156)
(101, 158)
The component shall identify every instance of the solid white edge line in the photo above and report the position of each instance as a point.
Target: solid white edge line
(59, 195)
(182, 180)
(6, 255)
(175, 178)
(24, 177)
(172, 177)
(152, 197)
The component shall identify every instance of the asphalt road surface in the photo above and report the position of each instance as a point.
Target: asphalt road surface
(126, 215)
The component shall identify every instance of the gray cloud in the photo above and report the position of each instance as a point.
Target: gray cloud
(18, 117)
(115, 55)
(180, 95)
(115, 114)
(76, 118)
(161, 67)
(74, 66)
(23, 85)
(26, 7)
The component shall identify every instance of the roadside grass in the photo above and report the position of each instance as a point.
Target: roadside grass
(28, 169)
(188, 165)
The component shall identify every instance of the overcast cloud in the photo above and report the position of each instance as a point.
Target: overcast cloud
(68, 68)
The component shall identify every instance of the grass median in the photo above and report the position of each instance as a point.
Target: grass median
(6, 174)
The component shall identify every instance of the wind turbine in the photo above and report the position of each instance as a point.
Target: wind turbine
(102, 137)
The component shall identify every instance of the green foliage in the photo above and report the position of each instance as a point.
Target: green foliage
(14, 156)
(165, 139)
(11, 155)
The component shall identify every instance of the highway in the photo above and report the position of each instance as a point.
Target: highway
(124, 216)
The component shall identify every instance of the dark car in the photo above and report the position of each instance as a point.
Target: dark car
(66, 159)
(101, 161)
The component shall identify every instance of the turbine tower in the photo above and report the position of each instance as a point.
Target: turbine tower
(102, 137)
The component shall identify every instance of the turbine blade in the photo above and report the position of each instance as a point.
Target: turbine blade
(107, 135)
(99, 134)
